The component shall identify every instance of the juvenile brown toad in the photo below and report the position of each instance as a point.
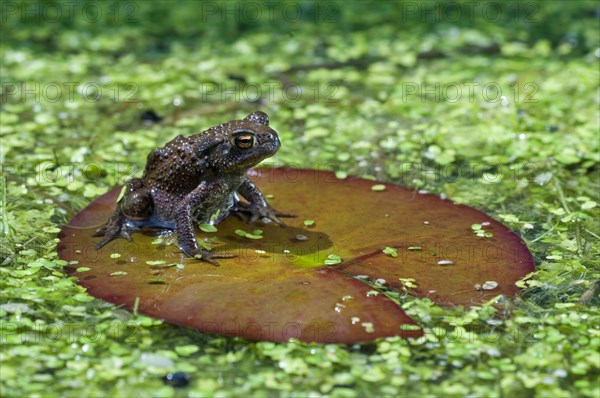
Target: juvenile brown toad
(197, 179)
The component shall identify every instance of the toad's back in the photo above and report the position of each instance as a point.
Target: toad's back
(179, 166)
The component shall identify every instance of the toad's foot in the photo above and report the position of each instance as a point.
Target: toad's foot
(115, 228)
(204, 255)
(255, 212)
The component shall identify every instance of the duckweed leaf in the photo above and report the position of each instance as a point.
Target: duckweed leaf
(279, 288)
(156, 262)
(390, 251)
(332, 259)
(207, 228)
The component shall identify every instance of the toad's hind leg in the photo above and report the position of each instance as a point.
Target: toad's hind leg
(135, 205)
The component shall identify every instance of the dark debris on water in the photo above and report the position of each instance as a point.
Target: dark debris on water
(177, 379)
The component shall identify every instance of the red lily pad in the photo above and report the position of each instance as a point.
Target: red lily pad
(278, 287)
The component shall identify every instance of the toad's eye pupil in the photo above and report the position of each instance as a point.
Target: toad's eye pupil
(244, 141)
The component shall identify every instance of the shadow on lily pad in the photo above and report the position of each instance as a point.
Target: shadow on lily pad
(278, 287)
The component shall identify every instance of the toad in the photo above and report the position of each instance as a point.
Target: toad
(197, 180)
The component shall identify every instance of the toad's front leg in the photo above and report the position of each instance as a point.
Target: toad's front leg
(186, 236)
(258, 207)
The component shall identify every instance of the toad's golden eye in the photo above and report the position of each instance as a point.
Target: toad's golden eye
(244, 141)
